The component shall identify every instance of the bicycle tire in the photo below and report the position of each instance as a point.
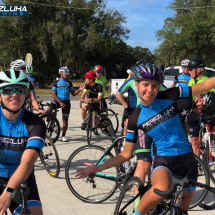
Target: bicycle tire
(89, 129)
(127, 194)
(93, 189)
(115, 123)
(211, 164)
(49, 158)
(52, 127)
(204, 178)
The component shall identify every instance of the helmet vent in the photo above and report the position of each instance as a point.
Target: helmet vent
(2, 82)
(24, 80)
(8, 73)
(17, 73)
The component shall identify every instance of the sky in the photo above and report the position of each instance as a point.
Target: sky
(143, 20)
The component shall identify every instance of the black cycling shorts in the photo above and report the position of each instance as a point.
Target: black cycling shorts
(181, 165)
(33, 198)
(143, 147)
(66, 111)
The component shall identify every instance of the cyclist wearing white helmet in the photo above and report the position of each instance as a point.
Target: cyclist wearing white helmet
(20, 65)
(22, 138)
(182, 79)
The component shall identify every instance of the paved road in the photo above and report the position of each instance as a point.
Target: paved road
(55, 195)
(50, 98)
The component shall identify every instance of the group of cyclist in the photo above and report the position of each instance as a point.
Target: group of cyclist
(156, 124)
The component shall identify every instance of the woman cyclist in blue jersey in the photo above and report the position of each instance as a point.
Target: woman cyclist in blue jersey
(22, 135)
(157, 116)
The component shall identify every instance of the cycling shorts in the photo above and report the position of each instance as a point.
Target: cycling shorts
(33, 198)
(96, 108)
(66, 111)
(181, 165)
(143, 147)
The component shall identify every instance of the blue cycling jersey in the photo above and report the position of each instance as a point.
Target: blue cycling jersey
(33, 80)
(132, 91)
(63, 88)
(27, 132)
(182, 80)
(161, 122)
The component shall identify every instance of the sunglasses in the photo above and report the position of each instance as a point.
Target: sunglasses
(8, 91)
(99, 72)
(66, 72)
(191, 69)
(22, 68)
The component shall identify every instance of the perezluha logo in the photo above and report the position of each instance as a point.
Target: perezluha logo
(13, 10)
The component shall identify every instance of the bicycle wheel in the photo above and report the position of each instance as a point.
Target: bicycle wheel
(89, 129)
(49, 158)
(211, 164)
(204, 147)
(204, 178)
(126, 195)
(52, 127)
(115, 122)
(97, 187)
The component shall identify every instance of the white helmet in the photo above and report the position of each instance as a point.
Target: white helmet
(63, 69)
(185, 62)
(17, 63)
(129, 71)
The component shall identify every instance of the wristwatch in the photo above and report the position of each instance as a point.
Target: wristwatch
(10, 190)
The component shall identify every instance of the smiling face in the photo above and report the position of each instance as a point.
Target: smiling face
(148, 90)
(185, 70)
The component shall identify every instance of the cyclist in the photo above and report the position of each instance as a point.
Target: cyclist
(61, 93)
(197, 72)
(95, 97)
(158, 117)
(22, 138)
(20, 65)
(182, 79)
(33, 80)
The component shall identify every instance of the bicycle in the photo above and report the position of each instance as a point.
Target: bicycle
(49, 158)
(23, 191)
(100, 186)
(28, 105)
(52, 123)
(102, 121)
(171, 205)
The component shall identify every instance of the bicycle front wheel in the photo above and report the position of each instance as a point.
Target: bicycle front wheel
(126, 195)
(211, 159)
(115, 122)
(204, 178)
(49, 158)
(97, 187)
(89, 129)
(52, 127)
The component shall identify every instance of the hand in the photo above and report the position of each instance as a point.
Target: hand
(81, 87)
(62, 105)
(80, 103)
(5, 201)
(41, 111)
(32, 83)
(88, 100)
(83, 173)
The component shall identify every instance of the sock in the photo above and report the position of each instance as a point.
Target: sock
(63, 134)
(137, 201)
(83, 120)
(136, 213)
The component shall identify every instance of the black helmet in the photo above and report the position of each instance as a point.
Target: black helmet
(196, 63)
(148, 71)
(208, 105)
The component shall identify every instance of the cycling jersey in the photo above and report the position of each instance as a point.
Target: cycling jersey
(132, 90)
(33, 80)
(162, 123)
(63, 88)
(102, 80)
(182, 80)
(193, 82)
(27, 132)
(94, 91)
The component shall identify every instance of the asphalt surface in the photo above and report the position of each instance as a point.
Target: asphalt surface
(54, 192)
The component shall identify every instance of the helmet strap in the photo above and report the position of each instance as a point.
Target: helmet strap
(13, 112)
(196, 76)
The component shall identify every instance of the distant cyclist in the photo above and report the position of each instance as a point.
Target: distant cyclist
(33, 80)
(182, 79)
(95, 96)
(22, 138)
(20, 65)
(61, 90)
(197, 72)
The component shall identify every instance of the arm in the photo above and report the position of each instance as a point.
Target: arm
(94, 99)
(34, 102)
(121, 100)
(54, 94)
(74, 93)
(173, 84)
(203, 86)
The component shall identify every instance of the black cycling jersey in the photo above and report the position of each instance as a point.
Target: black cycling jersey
(93, 91)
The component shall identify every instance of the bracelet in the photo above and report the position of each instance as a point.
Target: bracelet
(99, 168)
(106, 164)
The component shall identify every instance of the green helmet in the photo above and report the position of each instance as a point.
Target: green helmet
(29, 69)
(10, 77)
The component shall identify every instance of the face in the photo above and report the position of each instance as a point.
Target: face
(185, 70)
(22, 68)
(87, 80)
(65, 75)
(193, 73)
(198, 103)
(29, 75)
(13, 102)
(148, 90)
(98, 73)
